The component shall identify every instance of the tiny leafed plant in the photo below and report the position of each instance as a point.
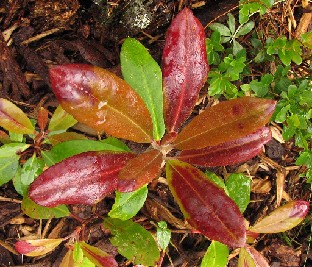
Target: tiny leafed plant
(151, 107)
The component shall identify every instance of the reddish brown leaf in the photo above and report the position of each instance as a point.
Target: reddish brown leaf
(228, 153)
(283, 218)
(103, 101)
(140, 171)
(43, 117)
(97, 256)
(227, 121)
(205, 205)
(184, 66)
(82, 179)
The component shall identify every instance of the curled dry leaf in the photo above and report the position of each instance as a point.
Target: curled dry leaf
(283, 218)
(184, 66)
(228, 153)
(82, 179)
(103, 101)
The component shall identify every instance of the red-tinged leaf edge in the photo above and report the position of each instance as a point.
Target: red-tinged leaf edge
(205, 205)
(102, 100)
(85, 178)
(283, 218)
(184, 66)
(97, 256)
(259, 259)
(140, 171)
(228, 153)
(227, 121)
(38, 247)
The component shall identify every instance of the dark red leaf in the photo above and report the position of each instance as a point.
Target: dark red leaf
(205, 205)
(82, 179)
(184, 66)
(140, 171)
(224, 122)
(103, 101)
(228, 153)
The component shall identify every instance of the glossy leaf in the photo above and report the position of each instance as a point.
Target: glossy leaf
(38, 247)
(140, 171)
(239, 186)
(228, 153)
(103, 101)
(43, 117)
(216, 255)
(98, 256)
(250, 257)
(163, 235)
(13, 119)
(224, 122)
(205, 205)
(70, 148)
(283, 218)
(128, 204)
(143, 249)
(82, 179)
(144, 75)
(185, 67)
(33, 210)
(9, 160)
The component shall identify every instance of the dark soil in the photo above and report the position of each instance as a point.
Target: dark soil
(37, 34)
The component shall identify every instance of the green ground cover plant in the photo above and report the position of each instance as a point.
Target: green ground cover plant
(151, 108)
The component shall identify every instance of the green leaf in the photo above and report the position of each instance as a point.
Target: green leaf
(305, 158)
(36, 211)
(222, 29)
(13, 119)
(239, 186)
(61, 120)
(16, 137)
(9, 160)
(217, 180)
(237, 47)
(31, 170)
(231, 23)
(133, 241)
(74, 147)
(216, 255)
(245, 28)
(128, 204)
(144, 75)
(282, 114)
(163, 235)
